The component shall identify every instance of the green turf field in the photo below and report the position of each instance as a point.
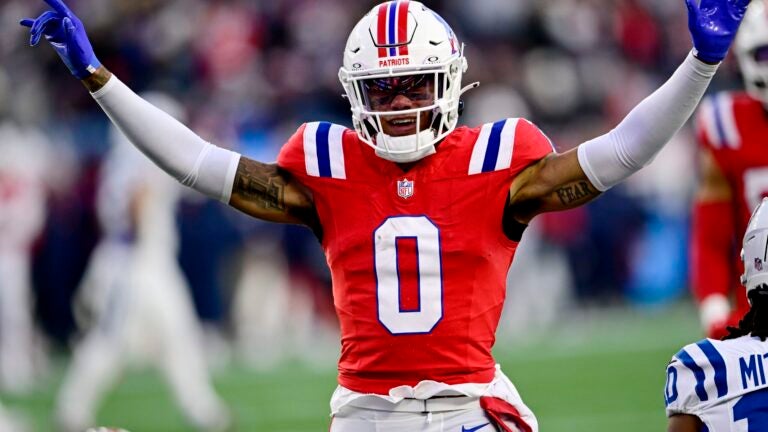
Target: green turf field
(599, 372)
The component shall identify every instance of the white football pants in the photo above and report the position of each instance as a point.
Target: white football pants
(355, 419)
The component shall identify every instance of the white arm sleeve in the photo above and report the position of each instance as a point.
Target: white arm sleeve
(611, 158)
(168, 143)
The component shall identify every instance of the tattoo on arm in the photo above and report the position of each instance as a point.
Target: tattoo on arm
(261, 184)
(575, 193)
(267, 192)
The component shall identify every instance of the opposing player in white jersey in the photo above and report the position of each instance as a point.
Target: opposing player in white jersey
(138, 294)
(721, 386)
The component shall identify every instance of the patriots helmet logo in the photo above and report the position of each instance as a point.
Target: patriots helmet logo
(405, 188)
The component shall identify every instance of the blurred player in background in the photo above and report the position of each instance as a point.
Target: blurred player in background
(137, 294)
(720, 386)
(24, 169)
(733, 133)
(9, 421)
(419, 220)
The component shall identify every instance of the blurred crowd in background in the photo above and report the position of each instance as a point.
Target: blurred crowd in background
(248, 72)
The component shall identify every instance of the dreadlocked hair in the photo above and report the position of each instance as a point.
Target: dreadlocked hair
(755, 322)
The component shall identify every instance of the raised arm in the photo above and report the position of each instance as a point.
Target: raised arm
(573, 178)
(260, 190)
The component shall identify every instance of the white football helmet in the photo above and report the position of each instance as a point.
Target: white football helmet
(754, 253)
(402, 47)
(751, 50)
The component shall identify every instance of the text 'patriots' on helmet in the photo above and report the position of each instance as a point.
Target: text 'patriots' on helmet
(755, 249)
(402, 75)
(751, 50)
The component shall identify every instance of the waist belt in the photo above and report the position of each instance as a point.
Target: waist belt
(434, 404)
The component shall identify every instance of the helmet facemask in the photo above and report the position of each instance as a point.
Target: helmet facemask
(383, 102)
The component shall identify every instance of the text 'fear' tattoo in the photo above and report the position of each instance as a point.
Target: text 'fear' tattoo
(574, 192)
(262, 184)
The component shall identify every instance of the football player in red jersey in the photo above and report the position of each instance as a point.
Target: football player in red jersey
(419, 219)
(732, 129)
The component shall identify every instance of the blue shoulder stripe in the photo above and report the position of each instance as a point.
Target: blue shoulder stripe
(323, 152)
(718, 117)
(494, 142)
(492, 151)
(698, 373)
(718, 364)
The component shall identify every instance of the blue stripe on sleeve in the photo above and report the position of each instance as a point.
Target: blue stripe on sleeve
(698, 373)
(494, 143)
(717, 362)
(719, 121)
(323, 151)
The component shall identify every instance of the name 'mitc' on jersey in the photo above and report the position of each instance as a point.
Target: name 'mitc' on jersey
(418, 258)
(721, 382)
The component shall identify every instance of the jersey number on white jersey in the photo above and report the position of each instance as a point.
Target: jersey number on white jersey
(752, 408)
(429, 312)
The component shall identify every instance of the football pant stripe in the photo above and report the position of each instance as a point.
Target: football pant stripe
(698, 373)
(718, 364)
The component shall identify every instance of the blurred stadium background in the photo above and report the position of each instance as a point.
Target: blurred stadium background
(598, 297)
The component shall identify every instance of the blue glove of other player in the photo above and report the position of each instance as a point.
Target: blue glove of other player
(67, 36)
(713, 25)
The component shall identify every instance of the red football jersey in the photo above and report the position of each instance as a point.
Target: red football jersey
(418, 259)
(734, 128)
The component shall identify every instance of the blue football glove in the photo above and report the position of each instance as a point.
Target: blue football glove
(713, 25)
(66, 34)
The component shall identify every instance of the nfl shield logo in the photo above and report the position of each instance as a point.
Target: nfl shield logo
(758, 264)
(404, 188)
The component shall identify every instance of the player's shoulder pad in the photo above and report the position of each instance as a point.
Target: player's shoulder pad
(508, 144)
(696, 375)
(316, 150)
(716, 122)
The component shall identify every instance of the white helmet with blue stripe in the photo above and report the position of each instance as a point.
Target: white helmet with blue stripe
(751, 48)
(755, 249)
(402, 75)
